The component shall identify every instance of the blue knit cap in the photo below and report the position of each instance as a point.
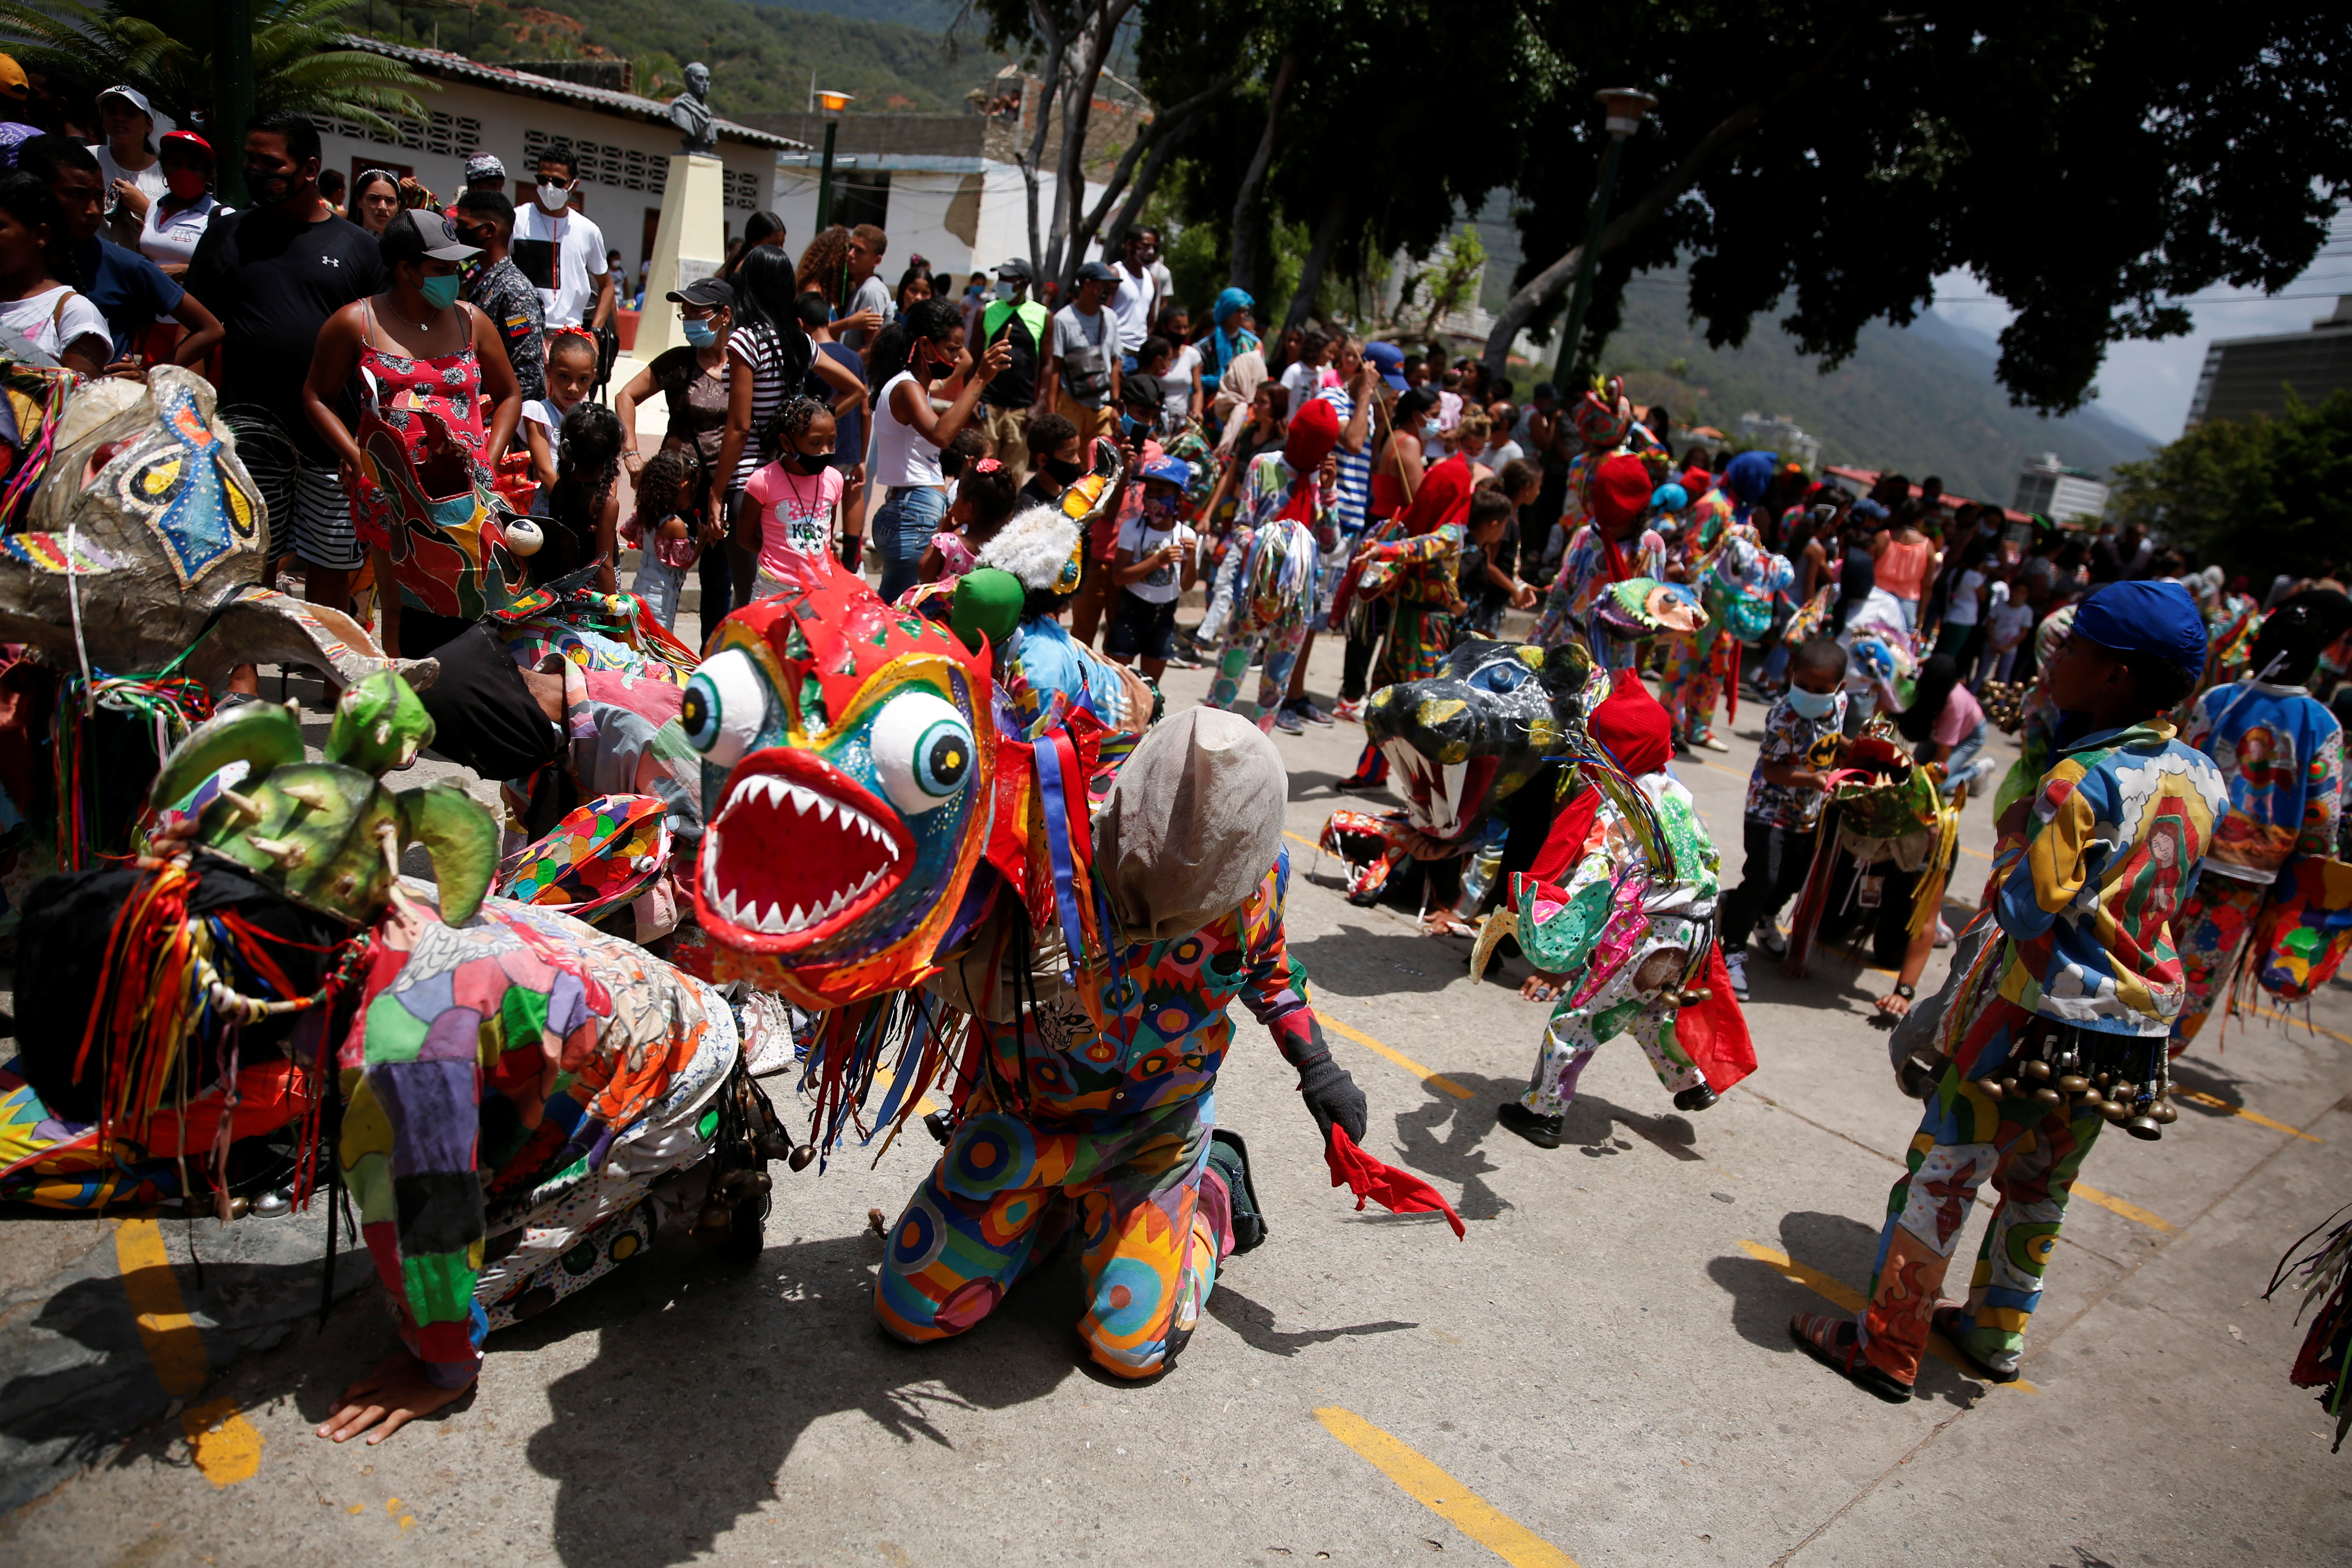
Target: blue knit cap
(2146, 618)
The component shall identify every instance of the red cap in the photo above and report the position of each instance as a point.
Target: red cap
(191, 140)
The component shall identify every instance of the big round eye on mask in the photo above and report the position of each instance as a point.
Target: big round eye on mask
(923, 752)
(726, 707)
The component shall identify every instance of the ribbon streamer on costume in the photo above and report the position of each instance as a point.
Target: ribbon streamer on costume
(1398, 1192)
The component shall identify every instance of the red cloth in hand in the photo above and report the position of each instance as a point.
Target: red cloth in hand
(1715, 1032)
(1398, 1192)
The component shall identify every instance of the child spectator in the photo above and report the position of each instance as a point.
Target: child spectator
(1152, 568)
(2011, 618)
(2088, 879)
(795, 501)
(1482, 580)
(662, 529)
(1944, 723)
(571, 371)
(1056, 460)
(2281, 753)
(985, 496)
(1784, 802)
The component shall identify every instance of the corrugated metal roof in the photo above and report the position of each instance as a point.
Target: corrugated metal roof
(458, 67)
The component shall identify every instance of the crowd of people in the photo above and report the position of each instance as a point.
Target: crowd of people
(1311, 483)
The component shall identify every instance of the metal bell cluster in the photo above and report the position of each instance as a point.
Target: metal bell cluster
(2120, 1076)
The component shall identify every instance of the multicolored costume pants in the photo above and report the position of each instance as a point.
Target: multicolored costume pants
(2214, 923)
(1007, 1190)
(1420, 637)
(1965, 1137)
(1281, 645)
(1627, 1003)
(1688, 686)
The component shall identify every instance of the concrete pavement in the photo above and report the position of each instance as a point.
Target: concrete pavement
(1599, 1374)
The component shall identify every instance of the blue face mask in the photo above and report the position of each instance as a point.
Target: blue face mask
(1812, 704)
(701, 335)
(440, 292)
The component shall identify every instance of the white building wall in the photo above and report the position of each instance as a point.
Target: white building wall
(960, 220)
(623, 160)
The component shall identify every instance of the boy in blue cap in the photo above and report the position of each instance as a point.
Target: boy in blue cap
(1152, 570)
(2088, 878)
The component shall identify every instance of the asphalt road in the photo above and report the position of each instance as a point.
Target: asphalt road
(1600, 1373)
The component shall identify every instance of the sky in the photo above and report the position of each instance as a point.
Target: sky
(2150, 383)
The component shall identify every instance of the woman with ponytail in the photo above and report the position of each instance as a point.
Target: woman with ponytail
(2281, 752)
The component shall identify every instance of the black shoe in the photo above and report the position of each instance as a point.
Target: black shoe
(1543, 1131)
(1229, 1157)
(1698, 1096)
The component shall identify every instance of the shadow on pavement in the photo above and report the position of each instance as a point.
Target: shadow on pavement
(1257, 1326)
(1356, 961)
(708, 1373)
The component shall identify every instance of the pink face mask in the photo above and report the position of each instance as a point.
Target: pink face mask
(184, 183)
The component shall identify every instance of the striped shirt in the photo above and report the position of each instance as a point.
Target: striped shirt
(1355, 468)
(777, 372)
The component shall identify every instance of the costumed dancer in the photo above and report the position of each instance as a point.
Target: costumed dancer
(1265, 583)
(1103, 1130)
(2281, 752)
(1721, 545)
(1614, 546)
(1417, 576)
(1620, 905)
(2075, 993)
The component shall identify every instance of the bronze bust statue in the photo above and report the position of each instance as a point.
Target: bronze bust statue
(691, 111)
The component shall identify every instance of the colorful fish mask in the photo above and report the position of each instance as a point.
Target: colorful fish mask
(848, 769)
(1464, 739)
(437, 518)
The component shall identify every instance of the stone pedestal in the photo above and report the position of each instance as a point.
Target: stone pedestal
(689, 242)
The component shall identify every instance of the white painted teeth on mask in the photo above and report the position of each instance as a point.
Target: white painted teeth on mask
(776, 792)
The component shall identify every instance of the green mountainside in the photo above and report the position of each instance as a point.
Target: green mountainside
(760, 56)
(1921, 400)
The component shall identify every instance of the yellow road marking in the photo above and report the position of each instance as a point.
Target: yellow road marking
(1838, 1295)
(1444, 1496)
(2258, 1120)
(1429, 1079)
(224, 1444)
(1296, 838)
(2129, 1211)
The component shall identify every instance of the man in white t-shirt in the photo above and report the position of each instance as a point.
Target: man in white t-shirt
(561, 250)
(1135, 298)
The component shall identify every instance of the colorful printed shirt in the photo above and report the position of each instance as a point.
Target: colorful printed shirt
(1584, 576)
(2281, 753)
(486, 1060)
(1167, 1031)
(1616, 904)
(1794, 740)
(2113, 843)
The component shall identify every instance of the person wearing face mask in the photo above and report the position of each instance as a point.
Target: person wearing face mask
(418, 350)
(1785, 795)
(497, 288)
(795, 502)
(188, 206)
(131, 292)
(692, 382)
(1025, 326)
(561, 251)
(908, 435)
(274, 273)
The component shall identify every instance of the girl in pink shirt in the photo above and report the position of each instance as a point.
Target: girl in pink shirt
(794, 503)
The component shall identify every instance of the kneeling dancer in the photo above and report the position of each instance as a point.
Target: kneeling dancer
(1104, 1129)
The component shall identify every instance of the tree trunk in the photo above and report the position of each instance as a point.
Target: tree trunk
(1166, 129)
(1652, 204)
(1248, 228)
(1318, 258)
(1070, 175)
(1055, 51)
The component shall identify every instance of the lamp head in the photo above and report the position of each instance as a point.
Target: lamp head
(831, 102)
(1625, 106)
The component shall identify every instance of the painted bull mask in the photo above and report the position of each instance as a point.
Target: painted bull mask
(138, 529)
(1463, 741)
(848, 773)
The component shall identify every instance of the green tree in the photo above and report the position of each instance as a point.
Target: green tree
(1843, 156)
(2260, 495)
(164, 50)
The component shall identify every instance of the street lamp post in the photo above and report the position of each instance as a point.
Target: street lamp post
(1625, 106)
(833, 103)
(232, 94)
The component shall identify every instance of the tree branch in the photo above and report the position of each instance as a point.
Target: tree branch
(1168, 125)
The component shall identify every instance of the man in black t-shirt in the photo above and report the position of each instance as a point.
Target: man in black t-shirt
(273, 274)
(1005, 405)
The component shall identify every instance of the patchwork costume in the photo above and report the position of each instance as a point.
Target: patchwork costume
(1266, 590)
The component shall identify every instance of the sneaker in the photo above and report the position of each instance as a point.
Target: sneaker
(1735, 966)
(1943, 933)
(1288, 723)
(1350, 712)
(1774, 944)
(1304, 708)
(1715, 742)
(1543, 1131)
(1229, 1157)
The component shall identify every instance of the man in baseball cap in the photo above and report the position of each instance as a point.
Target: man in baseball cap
(484, 171)
(1389, 359)
(1028, 328)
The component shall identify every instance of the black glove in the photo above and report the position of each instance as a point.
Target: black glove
(1330, 1094)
